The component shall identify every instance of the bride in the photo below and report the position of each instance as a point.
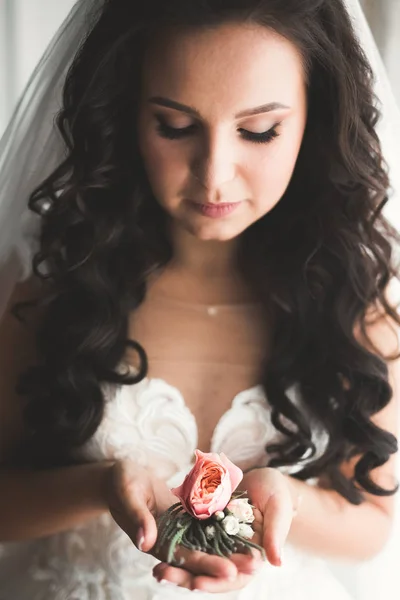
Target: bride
(195, 255)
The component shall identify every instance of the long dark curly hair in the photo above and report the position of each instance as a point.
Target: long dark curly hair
(320, 259)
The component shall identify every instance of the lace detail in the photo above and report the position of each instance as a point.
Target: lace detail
(245, 430)
(150, 422)
(97, 561)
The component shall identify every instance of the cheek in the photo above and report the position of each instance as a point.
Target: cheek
(271, 175)
(165, 165)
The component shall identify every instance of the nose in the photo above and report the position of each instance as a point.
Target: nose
(215, 164)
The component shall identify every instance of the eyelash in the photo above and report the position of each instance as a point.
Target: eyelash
(171, 133)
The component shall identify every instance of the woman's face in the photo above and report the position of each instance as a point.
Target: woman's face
(221, 120)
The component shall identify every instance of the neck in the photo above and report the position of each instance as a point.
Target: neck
(203, 258)
(202, 272)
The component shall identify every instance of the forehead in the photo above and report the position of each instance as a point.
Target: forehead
(232, 66)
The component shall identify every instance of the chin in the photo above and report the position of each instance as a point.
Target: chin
(217, 232)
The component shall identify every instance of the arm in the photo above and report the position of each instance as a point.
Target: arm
(36, 503)
(325, 522)
(328, 525)
(39, 503)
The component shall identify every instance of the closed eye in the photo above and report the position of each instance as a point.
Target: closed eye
(174, 133)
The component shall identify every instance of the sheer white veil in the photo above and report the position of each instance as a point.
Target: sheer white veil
(31, 148)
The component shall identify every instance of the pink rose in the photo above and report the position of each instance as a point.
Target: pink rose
(209, 485)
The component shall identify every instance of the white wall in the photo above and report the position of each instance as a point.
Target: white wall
(26, 27)
(384, 18)
(392, 47)
(35, 23)
(4, 107)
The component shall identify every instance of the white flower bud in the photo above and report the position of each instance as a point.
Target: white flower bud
(245, 531)
(219, 515)
(231, 525)
(210, 532)
(241, 509)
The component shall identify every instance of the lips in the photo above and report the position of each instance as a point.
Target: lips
(213, 210)
(216, 203)
(207, 202)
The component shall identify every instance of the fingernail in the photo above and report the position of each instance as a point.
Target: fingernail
(166, 582)
(140, 538)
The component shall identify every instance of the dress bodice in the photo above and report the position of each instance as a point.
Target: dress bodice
(151, 422)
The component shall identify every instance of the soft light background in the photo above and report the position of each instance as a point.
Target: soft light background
(26, 27)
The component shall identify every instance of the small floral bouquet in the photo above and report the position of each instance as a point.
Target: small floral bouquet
(211, 516)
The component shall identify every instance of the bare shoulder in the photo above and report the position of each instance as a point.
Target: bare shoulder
(17, 352)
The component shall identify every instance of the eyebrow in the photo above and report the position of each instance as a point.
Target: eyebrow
(264, 108)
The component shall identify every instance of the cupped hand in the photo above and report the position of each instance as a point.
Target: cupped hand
(269, 493)
(136, 499)
(246, 566)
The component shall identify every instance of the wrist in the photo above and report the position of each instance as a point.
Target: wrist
(296, 493)
(102, 484)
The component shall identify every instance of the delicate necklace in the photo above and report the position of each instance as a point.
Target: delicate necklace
(212, 310)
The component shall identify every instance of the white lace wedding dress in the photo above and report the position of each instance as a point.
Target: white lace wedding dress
(97, 561)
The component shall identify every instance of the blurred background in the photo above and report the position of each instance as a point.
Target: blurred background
(26, 27)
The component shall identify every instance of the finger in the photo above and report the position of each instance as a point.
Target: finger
(257, 524)
(165, 573)
(158, 570)
(213, 585)
(201, 563)
(138, 521)
(131, 499)
(161, 574)
(278, 516)
(246, 563)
